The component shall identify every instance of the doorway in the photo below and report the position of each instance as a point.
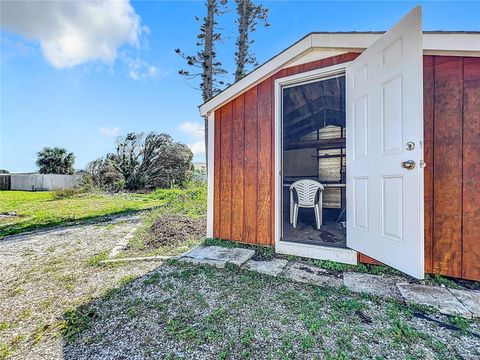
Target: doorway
(313, 161)
(383, 106)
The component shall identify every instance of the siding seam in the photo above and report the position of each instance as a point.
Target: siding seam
(243, 169)
(432, 260)
(463, 150)
(220, 176)
(432, 221)
(257, 173)
(231, 167)
(243, 165)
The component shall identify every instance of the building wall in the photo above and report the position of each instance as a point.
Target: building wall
(244, 163)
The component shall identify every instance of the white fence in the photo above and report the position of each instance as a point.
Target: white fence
(45, 182)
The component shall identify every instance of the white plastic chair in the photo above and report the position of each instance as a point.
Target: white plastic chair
(307, 191)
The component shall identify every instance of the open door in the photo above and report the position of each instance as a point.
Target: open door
(384, 103)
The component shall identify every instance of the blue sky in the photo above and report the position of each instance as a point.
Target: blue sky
(54, 98)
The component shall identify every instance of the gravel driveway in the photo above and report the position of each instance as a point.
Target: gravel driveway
(47, 273)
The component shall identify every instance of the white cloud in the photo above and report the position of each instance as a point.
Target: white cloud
(198, 148)
(193, 129)
(139, 69)
(109, 132)
(74, 32)
(196, 135)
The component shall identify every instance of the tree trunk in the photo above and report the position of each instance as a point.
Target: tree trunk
(208, 61)
(242, 39)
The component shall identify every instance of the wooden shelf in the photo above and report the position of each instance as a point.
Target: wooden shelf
(322, 144)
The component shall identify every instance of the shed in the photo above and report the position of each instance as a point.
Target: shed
(387, 123)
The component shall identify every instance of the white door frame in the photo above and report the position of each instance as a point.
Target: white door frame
(342, 255)
(211, 173)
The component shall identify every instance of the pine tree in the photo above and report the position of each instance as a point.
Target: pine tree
(205, 61)
(249, 15)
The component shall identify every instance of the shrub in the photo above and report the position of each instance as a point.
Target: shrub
(144, 163)
(66, 193)
(103, 174)
(191, 201)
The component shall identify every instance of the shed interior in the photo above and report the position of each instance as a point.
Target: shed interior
(313, 148)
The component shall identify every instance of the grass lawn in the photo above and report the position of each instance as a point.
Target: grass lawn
(193, 312)
(36, 210)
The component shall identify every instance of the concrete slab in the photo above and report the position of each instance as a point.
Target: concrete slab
(122, 244)
(379, 285)
(272, 267)
(437, 297)
(470, 299)
(236, 256)
(140, 258)
(300, 272)
(216, 263)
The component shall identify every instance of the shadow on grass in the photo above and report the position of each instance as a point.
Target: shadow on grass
(87, 330)
(150, 316)
(185, 311)
(8, 231)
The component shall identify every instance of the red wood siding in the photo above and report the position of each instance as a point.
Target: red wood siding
(453, 187)
(471, 169)
(244, 163)
(428, 106)
(447, 165)
(238, 161)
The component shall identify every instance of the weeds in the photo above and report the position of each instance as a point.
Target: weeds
(440, 280)
(77, 321)
(5, 351)
(4, 325)
(96, 259)
(191, 201)
(66, 193)
(126, 279)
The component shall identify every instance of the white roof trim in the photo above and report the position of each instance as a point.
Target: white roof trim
(462, 44)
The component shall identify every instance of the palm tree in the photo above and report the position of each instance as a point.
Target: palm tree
(55, 161)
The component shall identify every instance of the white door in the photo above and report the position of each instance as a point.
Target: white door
(385, 129)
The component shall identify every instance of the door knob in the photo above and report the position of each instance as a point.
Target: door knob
(409, 164)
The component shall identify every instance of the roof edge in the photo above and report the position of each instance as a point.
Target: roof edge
(437, 42)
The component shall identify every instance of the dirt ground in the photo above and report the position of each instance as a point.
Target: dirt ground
(171, 229)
